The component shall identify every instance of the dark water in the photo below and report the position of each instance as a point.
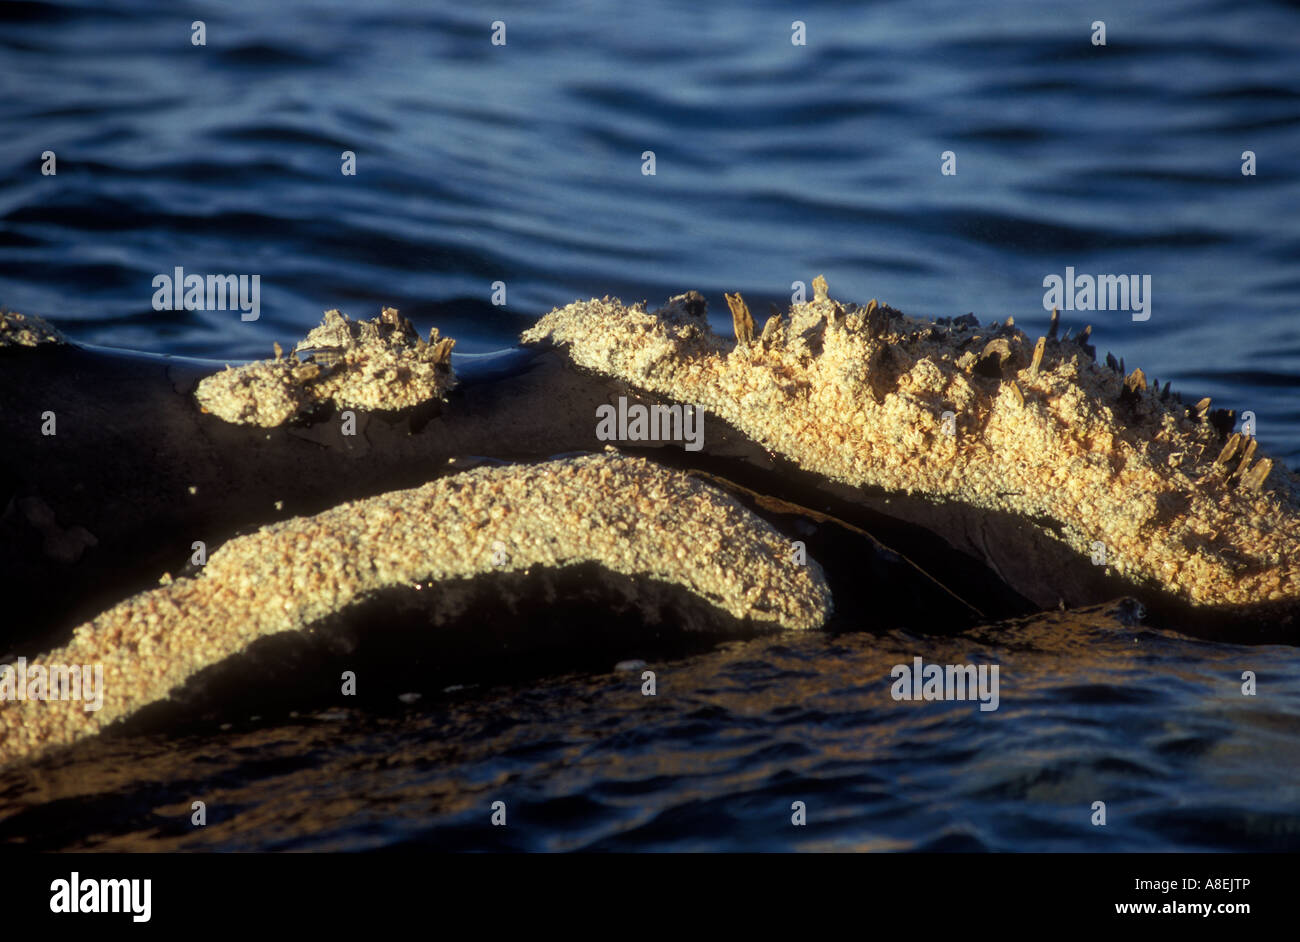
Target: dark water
(522, 164)
(1091, 708)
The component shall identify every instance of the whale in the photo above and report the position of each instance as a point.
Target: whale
(979, 469)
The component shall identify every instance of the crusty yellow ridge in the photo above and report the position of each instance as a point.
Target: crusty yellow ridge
(626, 514)
(377, 364)
(859, 395)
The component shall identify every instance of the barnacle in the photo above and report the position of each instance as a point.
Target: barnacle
(377, 364)
(1094, 450)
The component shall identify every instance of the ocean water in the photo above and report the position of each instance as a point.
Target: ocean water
(1091, 707)
(522, 164)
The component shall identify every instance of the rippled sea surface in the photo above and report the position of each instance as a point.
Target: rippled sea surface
(522, 163)
(1091, 708)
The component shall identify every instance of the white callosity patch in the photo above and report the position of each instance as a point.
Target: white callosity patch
(858, 395)
(381, 364)
(627, 515)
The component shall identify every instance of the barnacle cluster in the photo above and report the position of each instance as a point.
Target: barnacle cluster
(627, 515)
(27, 330)
(380, 364)
(952, 411)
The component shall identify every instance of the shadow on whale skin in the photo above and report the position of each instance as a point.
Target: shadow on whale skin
(135, 464)
(512, 626)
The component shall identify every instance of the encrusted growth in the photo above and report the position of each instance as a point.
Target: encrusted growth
(27, 330)
(1042, 430)
(628, 515)
(379, 364)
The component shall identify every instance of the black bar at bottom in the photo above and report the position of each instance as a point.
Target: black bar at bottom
(924, 892)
